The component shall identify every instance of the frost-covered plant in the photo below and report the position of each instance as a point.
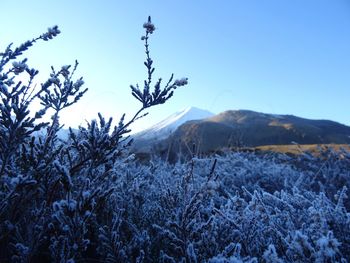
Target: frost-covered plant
(51, 192)
(22, 157)
(189, 213)
(231, 213)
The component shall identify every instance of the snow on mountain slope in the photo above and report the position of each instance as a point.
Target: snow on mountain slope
(164, 128)
(62, 134)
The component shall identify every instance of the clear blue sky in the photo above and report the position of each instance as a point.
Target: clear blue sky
(273, 56)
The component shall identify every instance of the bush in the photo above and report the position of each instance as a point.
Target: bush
(52, 191)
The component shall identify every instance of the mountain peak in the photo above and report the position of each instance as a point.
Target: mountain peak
(192, 108)
(164, 128)
(195, 112)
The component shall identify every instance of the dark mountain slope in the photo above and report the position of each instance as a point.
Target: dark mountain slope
(248, 128)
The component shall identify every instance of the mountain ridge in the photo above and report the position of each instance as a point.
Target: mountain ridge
(245, 128)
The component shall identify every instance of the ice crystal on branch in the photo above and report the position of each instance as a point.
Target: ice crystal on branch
(51, 33)
(149, 26)
(19, 67)
(181, 82)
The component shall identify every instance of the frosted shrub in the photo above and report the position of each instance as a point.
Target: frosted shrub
(53, 193)
(191, 213)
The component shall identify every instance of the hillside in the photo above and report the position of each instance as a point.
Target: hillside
(243, 128)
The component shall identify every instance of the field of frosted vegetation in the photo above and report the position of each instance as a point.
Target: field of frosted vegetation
(88, 199)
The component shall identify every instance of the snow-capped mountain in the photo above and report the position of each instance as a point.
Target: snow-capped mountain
(166, 127)
(62, 134)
